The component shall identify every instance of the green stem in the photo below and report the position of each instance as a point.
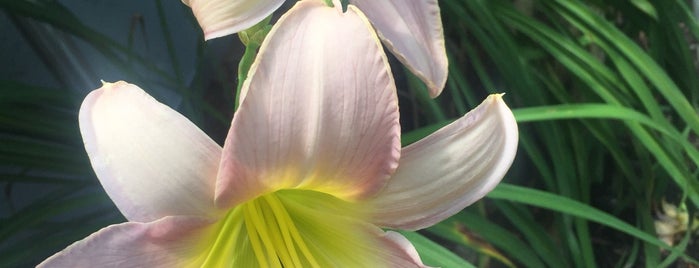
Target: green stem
(252, 38)
(244, 68)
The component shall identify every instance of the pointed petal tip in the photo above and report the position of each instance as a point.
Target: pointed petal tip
(496, 97)
(413, 32)
(435, 91)
(110, 86)
(407, 254)
(452, 168)
(436, 83)
(106, 84)
(128, 136)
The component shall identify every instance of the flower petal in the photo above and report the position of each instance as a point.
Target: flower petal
(151, 160)
(450, 169)
(168, 242)
(223, 17)
(401, 253)
(412, 30)
(320, 111)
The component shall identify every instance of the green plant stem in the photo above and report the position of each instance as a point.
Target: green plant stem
(244, 68)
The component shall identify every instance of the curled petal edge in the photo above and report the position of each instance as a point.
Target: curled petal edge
(450, 169)
(219, 18)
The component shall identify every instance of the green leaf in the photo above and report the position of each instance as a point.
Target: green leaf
(568, 206)
(646, 7)
(433, 254)
(458, 227)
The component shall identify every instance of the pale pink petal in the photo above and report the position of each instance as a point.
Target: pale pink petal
(223, 17)
(168, 242)
(151, 160)
(320, 111)
(399, 251)
(450, 169)
(412, 30)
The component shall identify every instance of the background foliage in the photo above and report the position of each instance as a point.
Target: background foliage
(606, 93)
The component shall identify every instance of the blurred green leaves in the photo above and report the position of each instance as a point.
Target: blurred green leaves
(605, 93)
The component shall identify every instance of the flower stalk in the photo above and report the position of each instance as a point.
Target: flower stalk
(252, 39)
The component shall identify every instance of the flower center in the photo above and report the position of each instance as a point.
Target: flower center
(293, 228)
(273, 234)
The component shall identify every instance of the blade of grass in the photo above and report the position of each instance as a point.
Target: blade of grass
(434, 254)
(568, 206)
(452, 230)
(647, 66)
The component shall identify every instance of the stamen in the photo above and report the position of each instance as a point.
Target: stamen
(277, 238)
(230, 229)
(258, 235)
(290, 229)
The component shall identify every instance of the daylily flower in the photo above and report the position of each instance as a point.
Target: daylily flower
(311, 170)
(411, 29)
